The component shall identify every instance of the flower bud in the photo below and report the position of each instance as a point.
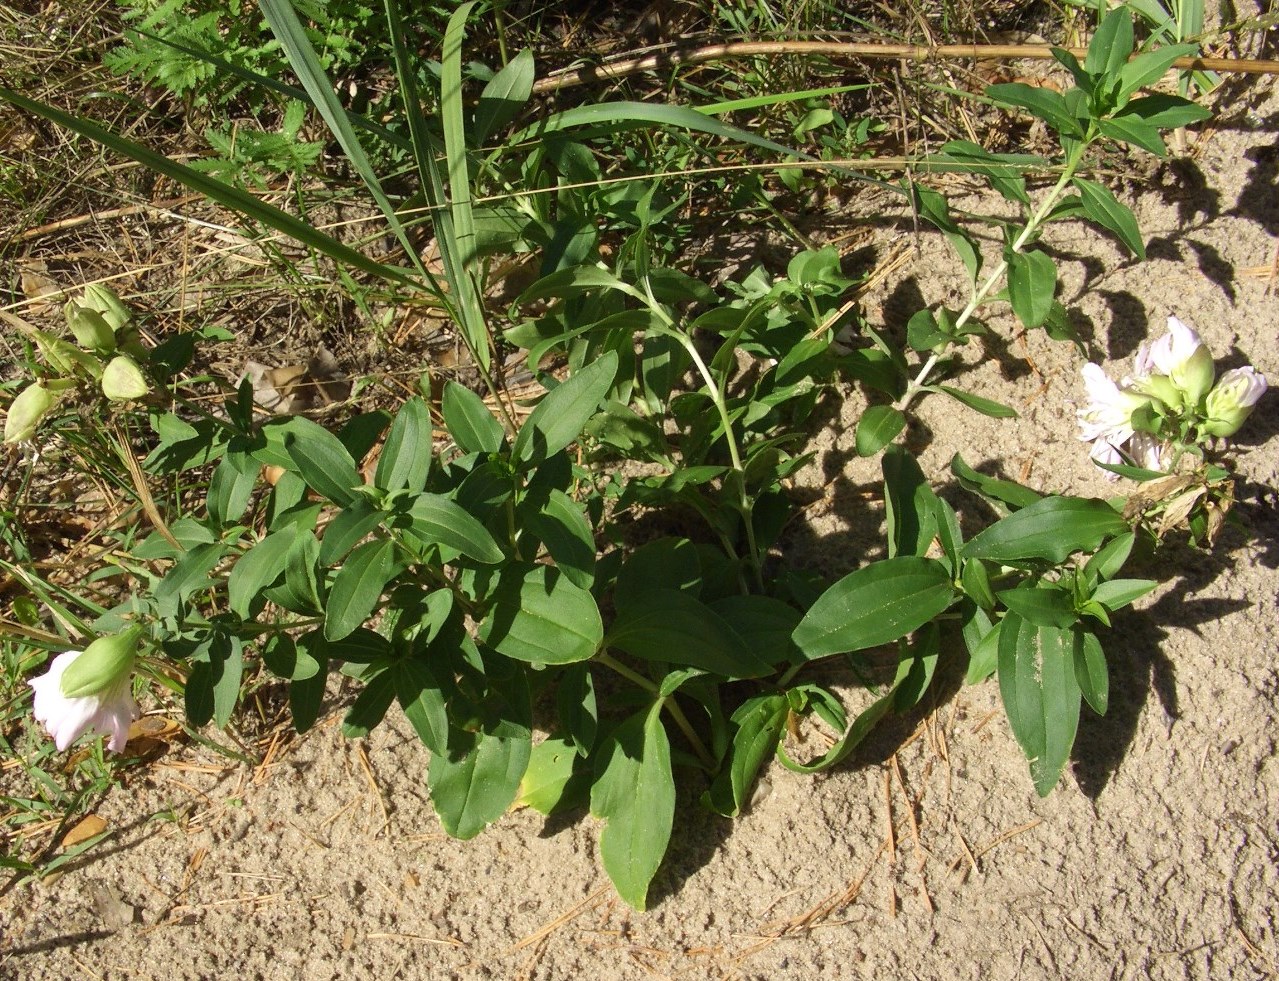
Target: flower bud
(1185, 359)
(103, 665)
(122, 380)
(91, 331)
(1232, 400)
(103, 301)
(27, 412)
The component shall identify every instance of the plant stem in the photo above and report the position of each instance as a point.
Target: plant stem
(668, 703)
(1073, 159)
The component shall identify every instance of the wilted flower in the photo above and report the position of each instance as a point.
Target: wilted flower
(1232, 400)
(89, 690)
(122, 380)
(27, 412)
(1150, 451)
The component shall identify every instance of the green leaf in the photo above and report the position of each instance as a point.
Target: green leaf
(504, 96)
(1104, 208)
(1091, 672)
(358, 587)
(1040, 693)
(876, 604)
(322, 460)
(922, 333)
(562, 415)
(1164, 111)
(674, 627)
(760, 721)
(560, 523)
(1129, 129)
(1042, 103)
(1150, 66)
(438, 521)
(405, 460)
(933, 206)
(983, 660)
(553, 781)
(474, 790)
(878, 426)
(469, 420)
(1043, 604)
(369, 707)
(1005, 494)
(987, 407)
(1109, 559)
(1032, 281)
(765, 624)
(349, 527)
(300, 591)
(634, 794)
(231, 488)
(1049, 530)
(909, 504)
(423, 702)
(664, 563)
(1118, 593)
(1111, 45)
(539, 615)
(577, 707)
(256, 569)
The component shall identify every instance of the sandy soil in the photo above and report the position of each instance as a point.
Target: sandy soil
(1156, 857)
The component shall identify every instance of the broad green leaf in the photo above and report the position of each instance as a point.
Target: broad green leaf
(876, 604)
(1150, 66)
(1115, 594)
(300, 591)
(664, 563)
(1130, 129)
(358, 587)
(1091, 672)
(256, 569)
(1104, 208)
(423, 702)
(503, 97)
(674, 627)
(921, 660)
(231, 488)
(1111, 44)
(1045, 605)
(369, 707)
(983, 660)
(405, 460)
(438, 521)
(922, 333)
(987, 407)
(1040, 693)
(765, 625)
(539, 615)
(560, 523)
(760, 721)
(878, 426)
(909, 504)
(634, 794)
(576, 706)
(554, 779)
(933, 206)
(1032, 281)
(1164, 111)
(1043, 103)
(1050, 530)
(322, 460)
(469, 420)
(1005, 494)
(349, 527)
(474, 790)
(562, 415)
(565, 283)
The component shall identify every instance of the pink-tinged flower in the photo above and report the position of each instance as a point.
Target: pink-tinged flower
(1181, 356)
(1150, 451)
(1108, 413)
(1232, 400)
(89, 689)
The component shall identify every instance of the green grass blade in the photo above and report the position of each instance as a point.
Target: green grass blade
(444, 215)
(215, 190)
(288, 30)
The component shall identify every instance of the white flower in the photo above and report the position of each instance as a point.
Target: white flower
(1108, 413)
(1183, 357)
(102, 699)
